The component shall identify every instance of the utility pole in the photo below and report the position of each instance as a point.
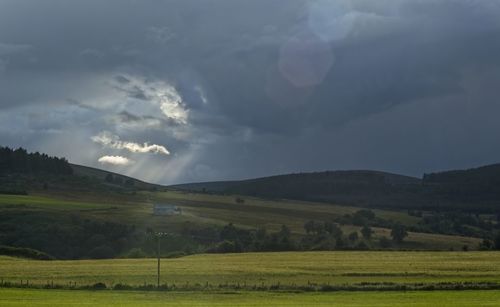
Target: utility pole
(158, 236)
(158, 254)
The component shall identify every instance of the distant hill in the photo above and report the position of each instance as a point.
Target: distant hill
(471, 190)
(475, 189)
(22, 172)
(480, 184)
(104, 176)
(362, 188)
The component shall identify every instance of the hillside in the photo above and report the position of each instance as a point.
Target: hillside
(118, 179)
(473, 190)
(22, 173)
(372, 189)
(80, 212)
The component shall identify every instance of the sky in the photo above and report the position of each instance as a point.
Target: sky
(188, 90)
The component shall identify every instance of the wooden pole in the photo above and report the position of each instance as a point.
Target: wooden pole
(158, 282)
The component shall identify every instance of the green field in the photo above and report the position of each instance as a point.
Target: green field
(31, 297)
(285, 268)
(205, 210)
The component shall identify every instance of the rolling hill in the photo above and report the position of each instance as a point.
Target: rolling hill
(74, 212)
(474, 190)
(101, 175)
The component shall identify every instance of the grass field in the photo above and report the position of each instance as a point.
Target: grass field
(41, 202)
(286, 268)
(205, 209)
(31, 297)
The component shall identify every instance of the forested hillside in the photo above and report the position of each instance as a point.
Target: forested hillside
(20, 161)
(474, 190)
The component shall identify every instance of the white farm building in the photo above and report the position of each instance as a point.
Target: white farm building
(165, 209)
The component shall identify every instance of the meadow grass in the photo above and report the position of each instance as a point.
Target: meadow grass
(47, 202)
(33, 297)
(285, 268)
(206, 210)
(271, 214)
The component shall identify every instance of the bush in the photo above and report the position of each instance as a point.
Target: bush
(353, 236)
(99, 286)
(122, 287)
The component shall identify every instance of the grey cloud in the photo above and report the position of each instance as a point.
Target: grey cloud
(6, 49)
(249, 88)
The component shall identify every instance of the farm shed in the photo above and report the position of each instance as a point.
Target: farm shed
(165, 209)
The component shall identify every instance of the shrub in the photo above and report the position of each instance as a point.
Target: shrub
(98, 286)
(353, 236)
(122, 287)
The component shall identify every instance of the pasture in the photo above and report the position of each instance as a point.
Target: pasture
(35, 297)
(206, 210)
(287, 269)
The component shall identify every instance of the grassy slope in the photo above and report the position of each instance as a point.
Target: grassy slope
(81, 170)
(204, 209)
(24, 297)
(286, 268)
(272, 214)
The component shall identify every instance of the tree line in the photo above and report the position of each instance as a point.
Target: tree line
(20, 161)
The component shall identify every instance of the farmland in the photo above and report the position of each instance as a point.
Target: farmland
(210, 280)
(206, 211)
(33, 297)
(337, 268)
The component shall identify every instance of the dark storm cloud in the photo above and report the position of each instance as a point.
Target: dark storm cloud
(237, 89)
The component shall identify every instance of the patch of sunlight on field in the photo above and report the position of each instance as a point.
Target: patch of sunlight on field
(44, 202)
(286, 268)
(29, 297)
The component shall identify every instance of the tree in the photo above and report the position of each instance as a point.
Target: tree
(366, 232)
(339, 243)
(353, 236)
(239, 200)
(261, 234)
(486, 245)
(284, 232)
(362, 217)
(497, 241)
(332, 229)
(229, 233)
(309, 226)
(398, 233)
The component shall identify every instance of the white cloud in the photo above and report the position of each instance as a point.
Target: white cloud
(115, 160)
(110, 140)
(159, 93)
